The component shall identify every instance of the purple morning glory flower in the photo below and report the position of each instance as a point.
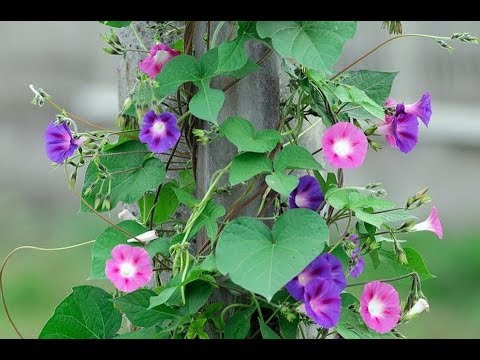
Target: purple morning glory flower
(159, 132)
(325, 266)
(422, 108)
(59, 142)
(400, 130)
(322, 302)
(307, 194)
(319, 268)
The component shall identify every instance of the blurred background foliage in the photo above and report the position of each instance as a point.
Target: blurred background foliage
(36, 207)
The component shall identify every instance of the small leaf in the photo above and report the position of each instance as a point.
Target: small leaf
(206, 104)
(266, 331)
(87, 313)
(247, 165)
(238, 326)
(295, 157)
(353, 95)
(288, 329)
(281, 183)
(243, 135)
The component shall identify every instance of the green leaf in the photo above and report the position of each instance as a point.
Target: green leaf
(132, 175)
(177, 71)
(281, 183)
(330, 182)
(262, 261)
(351, 326)
(186, 181)
(314, 44)
(238, 326)
(196, 295)
(341, 198)
(352, 95)
(87, 313)
(266, 331)
(231, 54)
(166, 205)
(247, 165)
(159, 246)
(246, 69)
(295, 157)
(414, 263)
(288, 329)
(135, 306)
(385, 217)
(208, 218)
(186, 198)
(376, 85)
(107, 240)
(146, 94)
(243, 135)
(197, 329)
(116, 24)
(206, 104)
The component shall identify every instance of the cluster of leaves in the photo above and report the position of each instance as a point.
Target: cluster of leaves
(243, 256)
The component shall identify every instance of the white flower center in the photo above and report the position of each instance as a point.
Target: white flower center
(301, 201)
(303, 279)
(375, 307)
(127, 269)
(342, 147)
(158, 127)
(161, 57)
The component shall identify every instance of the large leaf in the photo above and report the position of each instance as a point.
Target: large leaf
(376, 85)
(314, 44)
(262, 261)
(135, 306)
(247, 165)
(132, 175)
(414, 263)
(177, 71)
(231, 54)
(243, 135)
(111, 237)
(87, 313)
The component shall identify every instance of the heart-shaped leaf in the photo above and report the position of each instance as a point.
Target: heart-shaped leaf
(281, 183)
(243, 135)
(247, 165)
(262, 261)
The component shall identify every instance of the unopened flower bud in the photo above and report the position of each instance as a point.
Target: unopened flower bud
(126, 215)
(98, 201)
(106, 205)
(371, 130)
(73, 179)
(402, 257)
(444, 45)
(374, 145)
(424, 199)
(420, 306)
(144, 238)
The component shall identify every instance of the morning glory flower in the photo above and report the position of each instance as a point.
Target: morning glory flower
(322, 302)
(159, 132)
(59, 142)
(432, 223)
(344, 145)
(129, 268)
(422, 108)
(159, 55)
(400, 130)
(307, 194)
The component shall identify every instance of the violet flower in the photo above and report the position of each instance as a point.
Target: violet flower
(400, 130)
(159, 132)
(307, 194)
(322, 302)
(59, 142)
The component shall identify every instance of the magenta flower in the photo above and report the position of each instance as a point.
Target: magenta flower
(422, 108)
(59, 142)
(129, 268)
(322, 302)
(159, 55)
(325, 266)
(400, 130)
(380, 306)
(432, 223)
(159, 132)
(344, 145)
(308, 194)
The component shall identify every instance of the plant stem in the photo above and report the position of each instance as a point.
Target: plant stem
(138, 37)
(254, 297)
(385, 280)
(213, 42)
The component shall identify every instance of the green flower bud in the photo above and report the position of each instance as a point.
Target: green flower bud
(98, 201)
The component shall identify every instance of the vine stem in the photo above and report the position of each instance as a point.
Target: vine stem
(2, 290)
(138, 37)
(219, 27)
(385, 280)
(76, 117)
(382, 44)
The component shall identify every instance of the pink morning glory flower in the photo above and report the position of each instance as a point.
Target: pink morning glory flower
(129, 268)
(307, 194)
(59, 142)
(325, 266)
(159, 132)
(422, 108)
(344, 145)
(322, 302)
(432, 223)
(380, 306)
(159, 55)
(400, 130)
